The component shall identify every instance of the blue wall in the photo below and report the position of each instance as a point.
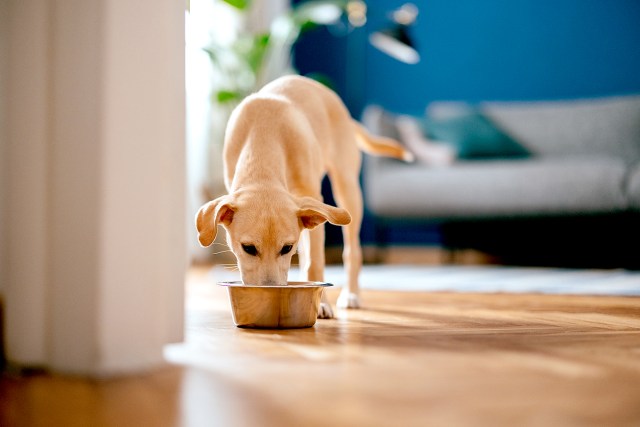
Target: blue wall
(475, 50)
(486, 50)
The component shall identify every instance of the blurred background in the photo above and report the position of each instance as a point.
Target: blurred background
(556, 81)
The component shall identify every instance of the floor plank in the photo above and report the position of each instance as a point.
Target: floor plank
(410, 359)
(432, 358)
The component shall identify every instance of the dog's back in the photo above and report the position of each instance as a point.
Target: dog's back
(306, 125)
(272, 127)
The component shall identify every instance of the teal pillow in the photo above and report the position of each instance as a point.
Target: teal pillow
(475, 137)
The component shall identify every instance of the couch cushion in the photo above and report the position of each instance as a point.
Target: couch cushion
(495, 188)
(380, 122)
(474, 136)
(609, 126)
(469, 134)
(633, 187)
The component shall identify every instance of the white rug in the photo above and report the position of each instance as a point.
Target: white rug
(479, 279)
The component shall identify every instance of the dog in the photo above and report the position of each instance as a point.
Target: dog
(279, 144)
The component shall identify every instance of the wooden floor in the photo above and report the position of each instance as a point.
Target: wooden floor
(407, 359)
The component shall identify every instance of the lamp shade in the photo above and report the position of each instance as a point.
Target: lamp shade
(395, 42)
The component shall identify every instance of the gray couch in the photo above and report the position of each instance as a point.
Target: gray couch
(582, 179)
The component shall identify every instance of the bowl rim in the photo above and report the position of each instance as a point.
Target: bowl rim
(289, 285)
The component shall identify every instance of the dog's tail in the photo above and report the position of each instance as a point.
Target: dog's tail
(380, 146)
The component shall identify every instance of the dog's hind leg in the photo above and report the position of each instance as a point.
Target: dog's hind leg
(346, 189)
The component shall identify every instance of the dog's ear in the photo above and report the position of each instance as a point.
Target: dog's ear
(218, 211)
(313, 213)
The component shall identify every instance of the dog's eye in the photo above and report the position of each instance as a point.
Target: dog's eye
(250, 249)
(286, 249)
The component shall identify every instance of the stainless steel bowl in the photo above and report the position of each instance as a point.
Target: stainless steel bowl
(294, 305)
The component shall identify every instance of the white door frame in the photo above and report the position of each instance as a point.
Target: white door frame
(94, 186)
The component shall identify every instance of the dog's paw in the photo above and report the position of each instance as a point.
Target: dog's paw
(325, 311)
(348, 300)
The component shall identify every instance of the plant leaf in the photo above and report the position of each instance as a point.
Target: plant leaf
(258, 49)
(238, 4)
(224, 96)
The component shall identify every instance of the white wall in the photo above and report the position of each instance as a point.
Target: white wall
(144, 161)
(96, 183)
(27, 178)
(4, 36)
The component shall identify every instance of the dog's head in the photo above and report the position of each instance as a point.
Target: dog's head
(263, 230)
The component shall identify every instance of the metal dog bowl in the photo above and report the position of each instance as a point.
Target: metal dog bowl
(294, 305)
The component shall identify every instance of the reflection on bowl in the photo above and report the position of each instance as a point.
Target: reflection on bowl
(294, 305)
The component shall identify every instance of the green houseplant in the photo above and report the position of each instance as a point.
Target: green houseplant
(253, 58)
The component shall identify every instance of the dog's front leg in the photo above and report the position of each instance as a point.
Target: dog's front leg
(312, 264)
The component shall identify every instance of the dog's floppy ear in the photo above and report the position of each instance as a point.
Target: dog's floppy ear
(218, 211)
(313, 213)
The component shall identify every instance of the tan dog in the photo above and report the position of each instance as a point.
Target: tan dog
(279, 144)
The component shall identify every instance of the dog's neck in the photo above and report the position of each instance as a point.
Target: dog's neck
(279, 176)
